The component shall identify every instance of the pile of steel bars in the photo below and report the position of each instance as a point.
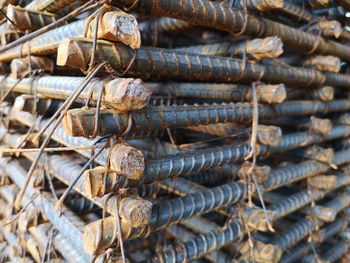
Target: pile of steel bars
(174, 131)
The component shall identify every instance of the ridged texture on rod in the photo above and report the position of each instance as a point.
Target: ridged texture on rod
(171, 211)
(156, 63)
(201, 245)
(69, 225)
(177, 116)
(228, 19)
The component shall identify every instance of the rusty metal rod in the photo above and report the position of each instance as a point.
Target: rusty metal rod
(177, 116)
(187, 163)
(28, 20)
(184, 235)
(165, 213)
(301, 249)
(201, 244)
(39, 233)
(228, 19)
(150, 62)
(47, 43)
(257, 49)
(296, 232)
(69, 224)
(121, 94)
(225, 92)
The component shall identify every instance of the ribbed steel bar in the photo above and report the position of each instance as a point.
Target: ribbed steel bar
(165, 213)
(296, 232)
(177, 116)
(28, 20)
(284, 175)
(324, 234)
(225, 92)
(329, 230)
(200, 245)
(48, 42)
(66, 249)
(281, 208)
(119, 94)
(297, 12)
(157, 63)
(258, 49)
(290, 173)
(327, 212)
(164, 25)
(69, 224)
(220, 17)
(335, 252)
(294, 202)
(12, 240)
(62, 168)
(194, 162)
(39, 233)
(197, 203)
(184, 235)
(188, 163)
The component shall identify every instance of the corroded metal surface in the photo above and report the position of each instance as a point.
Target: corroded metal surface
(174, 131)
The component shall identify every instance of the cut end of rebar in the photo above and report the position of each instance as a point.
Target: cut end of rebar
(324, 63)
(94, 182)
(323, 182)
(73, 123)
(99, 181)
(323, 126)
(117, 26)
(326, 214)
(81, 122)
(258, 219)
(21, 67)
(126, 94)
(261, 173)
(325, 93)
(344, 119)
(97, 235)
(126, 28)
(269, 134)
(128, 161)
(261, 48)
(330, 28)
(68, 55)
(320, 154)
(272, 94)
(262, 252)
(136, 211)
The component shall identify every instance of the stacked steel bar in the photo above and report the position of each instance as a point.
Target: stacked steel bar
(174, 131)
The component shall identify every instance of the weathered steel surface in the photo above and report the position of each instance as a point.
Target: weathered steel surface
(204, 131)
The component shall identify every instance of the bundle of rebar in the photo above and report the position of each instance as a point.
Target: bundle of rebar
(170, 131)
